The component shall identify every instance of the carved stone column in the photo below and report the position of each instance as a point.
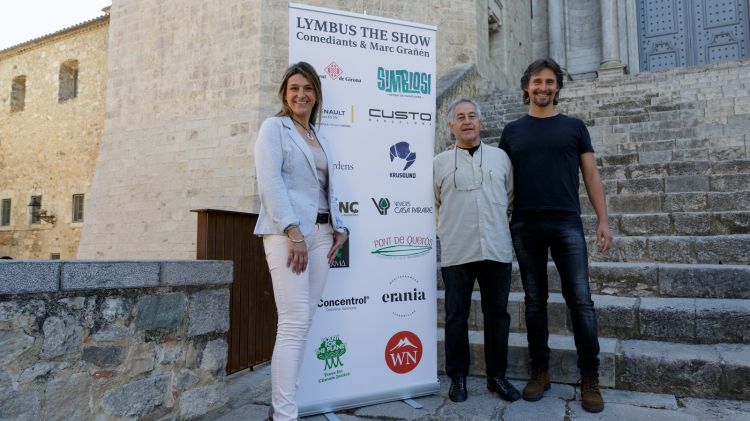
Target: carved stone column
(556, 30)
(610, 66)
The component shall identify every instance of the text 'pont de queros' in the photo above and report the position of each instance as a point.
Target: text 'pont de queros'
(359, 36)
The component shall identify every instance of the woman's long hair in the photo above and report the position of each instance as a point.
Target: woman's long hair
(308, 71)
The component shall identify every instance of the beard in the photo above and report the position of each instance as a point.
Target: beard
(543, 102)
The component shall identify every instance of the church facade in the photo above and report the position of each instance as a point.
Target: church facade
(171, 95)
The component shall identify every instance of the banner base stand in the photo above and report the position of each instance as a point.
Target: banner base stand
(330, 416)
(411, 402)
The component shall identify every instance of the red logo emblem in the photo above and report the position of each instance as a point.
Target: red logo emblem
(333, 70)
(403, 352)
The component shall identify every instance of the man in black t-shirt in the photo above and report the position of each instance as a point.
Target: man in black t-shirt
(547, 149)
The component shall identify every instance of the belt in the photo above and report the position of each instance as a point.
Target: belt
(323, 218)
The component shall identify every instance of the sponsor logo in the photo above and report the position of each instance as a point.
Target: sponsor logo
(404, 82)
(382, 205)
(402, 294)
(399, 207)
(400, 152)
(401, 117)
(403, 246)
(349, 208)
(343, 166)
(343, 304)
(403, 352)
(333, 70)
(341, 260)
(338, 117)
(331, 349)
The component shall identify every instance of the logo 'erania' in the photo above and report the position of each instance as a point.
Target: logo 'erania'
(330, 350)
(403, 352)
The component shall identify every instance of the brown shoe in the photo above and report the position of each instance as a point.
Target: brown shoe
(591, 396)
(538, 383)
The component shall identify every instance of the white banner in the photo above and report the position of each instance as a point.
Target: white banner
(374, 336)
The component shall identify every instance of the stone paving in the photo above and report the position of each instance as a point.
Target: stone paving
(249, 397)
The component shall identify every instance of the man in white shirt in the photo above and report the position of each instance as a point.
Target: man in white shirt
(473, 190)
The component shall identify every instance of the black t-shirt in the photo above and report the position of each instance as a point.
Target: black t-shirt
(545, 153)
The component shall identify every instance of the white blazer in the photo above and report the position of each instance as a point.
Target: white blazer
(288, 181)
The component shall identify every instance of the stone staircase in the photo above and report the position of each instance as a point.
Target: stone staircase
(673, 295)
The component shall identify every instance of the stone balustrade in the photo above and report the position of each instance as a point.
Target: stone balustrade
(111, 340)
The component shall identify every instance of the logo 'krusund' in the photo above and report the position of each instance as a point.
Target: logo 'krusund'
(401, 151)
(404, 82)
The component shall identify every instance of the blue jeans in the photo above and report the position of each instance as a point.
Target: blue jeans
(494, 283)
(535, 233)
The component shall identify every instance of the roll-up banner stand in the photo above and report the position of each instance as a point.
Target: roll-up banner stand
(374, 335)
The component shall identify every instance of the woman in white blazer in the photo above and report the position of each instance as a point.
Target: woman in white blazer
(299, 220)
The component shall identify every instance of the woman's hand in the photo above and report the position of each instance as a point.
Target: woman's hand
(297, 259)
(339, 238)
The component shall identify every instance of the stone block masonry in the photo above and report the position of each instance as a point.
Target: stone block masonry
(112, 340)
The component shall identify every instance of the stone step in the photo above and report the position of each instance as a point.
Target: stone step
(676, 184)
(674, 169)
(652, 280)
(674, 223)
(689, 320)
(707, 371)
(672, 202)
(621, 155)
(716, 249)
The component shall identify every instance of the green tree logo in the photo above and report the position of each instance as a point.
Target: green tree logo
(331, 349)
(382, 205)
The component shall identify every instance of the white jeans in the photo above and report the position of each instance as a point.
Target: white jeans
(297, 297)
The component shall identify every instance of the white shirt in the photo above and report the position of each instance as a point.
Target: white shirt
(472, 211)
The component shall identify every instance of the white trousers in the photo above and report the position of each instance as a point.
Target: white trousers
(297, 297)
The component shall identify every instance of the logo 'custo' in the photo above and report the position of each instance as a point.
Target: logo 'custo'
(403, 352)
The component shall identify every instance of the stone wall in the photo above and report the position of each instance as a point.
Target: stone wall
(511, 47)
(189, 84)
(112, 340)
(49, 148)
(461, 81)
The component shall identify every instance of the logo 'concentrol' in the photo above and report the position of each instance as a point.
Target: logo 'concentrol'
(403, 352)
